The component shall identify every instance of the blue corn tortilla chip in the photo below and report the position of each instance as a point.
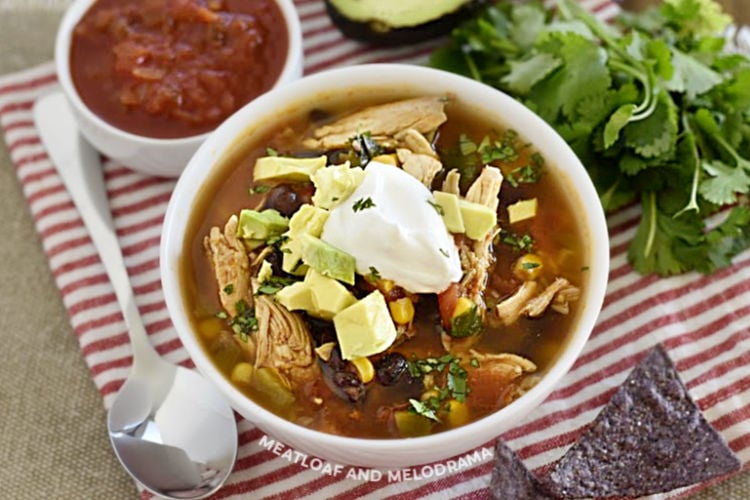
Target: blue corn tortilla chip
(650, 438)
(511, 480)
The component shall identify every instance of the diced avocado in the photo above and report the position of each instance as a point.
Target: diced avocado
(450, 210)
(256, 225)
(296, 296)
(365, 327)
(283, 168)
(328, 296)
(265, 272)
(478, 219)
(327, 259)
(335, 183)
(291, 262)
(308, 219)
(522, 210)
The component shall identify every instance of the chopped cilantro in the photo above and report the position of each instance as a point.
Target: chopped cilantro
(245, 321)
(273, 284)
(374, 274)
(365, 147)
(422, 409)
(466, 324)
(221, 315)
(522, 243)
(362, 204)
(229, 289)
(271, 152)
(259, 189)
(455, 378)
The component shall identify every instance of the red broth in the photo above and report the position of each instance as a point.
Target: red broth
(176, 68)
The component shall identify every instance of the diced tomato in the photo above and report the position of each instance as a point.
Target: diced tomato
(447, 303)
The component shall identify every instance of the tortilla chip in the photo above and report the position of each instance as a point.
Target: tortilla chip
(511, 479)
(650, 438)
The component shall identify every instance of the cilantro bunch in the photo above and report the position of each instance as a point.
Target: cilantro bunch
(654, 105)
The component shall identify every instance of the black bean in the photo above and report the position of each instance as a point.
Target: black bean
(390, 368)
(350, 385)
(287, 198)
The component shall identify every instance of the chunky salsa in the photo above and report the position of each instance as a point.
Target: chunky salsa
(176, 68)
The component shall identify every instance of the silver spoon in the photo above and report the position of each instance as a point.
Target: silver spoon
(169, 427)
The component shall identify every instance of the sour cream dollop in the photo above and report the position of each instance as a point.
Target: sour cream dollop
(388, 224)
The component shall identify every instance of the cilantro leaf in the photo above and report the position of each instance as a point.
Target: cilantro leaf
(724, 182)
(691, 76)
(657, 134)
(524, 74)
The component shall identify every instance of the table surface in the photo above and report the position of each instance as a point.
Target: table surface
(53, 440)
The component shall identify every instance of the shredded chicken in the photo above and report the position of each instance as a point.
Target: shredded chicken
(485, 189)
(415, 142)
(423, 114)
(231, 265)
(510, 309)
(563, 298)
(476, 256)
(495, 372)
(420, 166)
(283, 342)
(539, 304)
(558, 295)
(451, 182)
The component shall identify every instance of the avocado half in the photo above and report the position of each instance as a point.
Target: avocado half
(397, 22)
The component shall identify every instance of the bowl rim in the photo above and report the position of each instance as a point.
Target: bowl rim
(78, 8)
(545, 139)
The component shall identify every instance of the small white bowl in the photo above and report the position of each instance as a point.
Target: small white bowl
(163, 157)
(385, 79)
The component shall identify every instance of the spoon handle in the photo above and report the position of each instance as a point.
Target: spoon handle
(79, 165)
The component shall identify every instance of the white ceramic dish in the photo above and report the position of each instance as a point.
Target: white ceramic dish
(385, 78)
(163, 157)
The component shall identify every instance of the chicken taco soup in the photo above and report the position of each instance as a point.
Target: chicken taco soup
(385, 269)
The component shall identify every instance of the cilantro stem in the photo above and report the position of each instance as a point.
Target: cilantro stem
(649, 206)
(739, 161)
(648, 105)
(695, 157)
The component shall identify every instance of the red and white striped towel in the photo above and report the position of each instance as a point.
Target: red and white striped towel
(704, 322)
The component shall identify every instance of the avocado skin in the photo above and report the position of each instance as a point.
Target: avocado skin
(383, 36)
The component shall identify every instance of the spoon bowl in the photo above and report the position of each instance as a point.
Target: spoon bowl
(169, 426)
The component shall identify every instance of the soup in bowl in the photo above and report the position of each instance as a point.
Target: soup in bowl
(384, 265)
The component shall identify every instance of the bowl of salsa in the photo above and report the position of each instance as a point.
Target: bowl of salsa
(149, 79)
(384, 265)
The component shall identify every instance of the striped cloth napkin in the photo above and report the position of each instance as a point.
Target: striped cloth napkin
(704, 322)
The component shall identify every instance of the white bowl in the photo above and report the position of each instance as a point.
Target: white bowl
(387, 453)
(163, 157)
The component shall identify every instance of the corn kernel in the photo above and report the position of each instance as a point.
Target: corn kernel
(402, 310)
(457, 414)
(387, 159)
(385, 285)
(210, 328)
(242, 373)
(463, 305)
(528, 267)
(365, 370)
